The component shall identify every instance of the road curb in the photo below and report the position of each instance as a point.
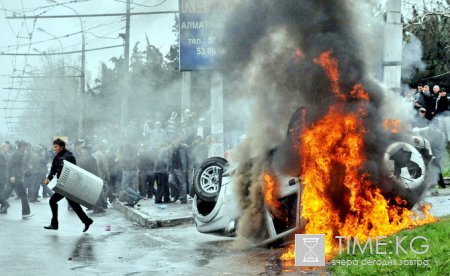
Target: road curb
(146, 221)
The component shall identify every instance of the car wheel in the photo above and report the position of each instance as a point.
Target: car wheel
(208, 178)
(404, 173)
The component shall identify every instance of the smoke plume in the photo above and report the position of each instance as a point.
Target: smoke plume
(272, 47)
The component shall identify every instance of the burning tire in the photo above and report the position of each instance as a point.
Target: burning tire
(208, 179)
(405, 173)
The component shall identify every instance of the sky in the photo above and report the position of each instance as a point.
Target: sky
(99, 32)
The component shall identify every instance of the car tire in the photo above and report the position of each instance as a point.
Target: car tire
(404, 173)
(208, 179)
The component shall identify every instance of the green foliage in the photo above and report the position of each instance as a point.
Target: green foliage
(433, 30)
(151, 81)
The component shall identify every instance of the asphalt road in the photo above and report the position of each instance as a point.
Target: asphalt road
(128, 249)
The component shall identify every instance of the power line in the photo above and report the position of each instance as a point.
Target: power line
(60, 53)
(142, 5)
(44, 7)
(45, 77)
(33, 89)
(87, 15)
(62, 36)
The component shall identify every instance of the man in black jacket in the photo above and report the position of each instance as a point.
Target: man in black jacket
(59, 146)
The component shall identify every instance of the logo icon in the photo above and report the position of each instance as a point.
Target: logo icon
(309, 250)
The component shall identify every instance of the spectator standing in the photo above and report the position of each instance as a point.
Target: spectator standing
(4, 186)
(180, 166)
(157, 135)
(103, 173)
(37, 167)
(441, 102)
(128, 160)
(146, 165)
(89, 163)
(115, 174)
(161, 169)
(428, 100)
(419, 99)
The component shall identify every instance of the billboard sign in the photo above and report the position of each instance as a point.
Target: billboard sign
(198, 35)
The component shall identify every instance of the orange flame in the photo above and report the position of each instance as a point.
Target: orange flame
(330, 66)
(392, 126)
(338, 198)
(270, 196)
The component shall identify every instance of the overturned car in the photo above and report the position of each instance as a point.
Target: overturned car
(405, 165)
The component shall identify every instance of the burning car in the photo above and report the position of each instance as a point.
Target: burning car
(405, 167)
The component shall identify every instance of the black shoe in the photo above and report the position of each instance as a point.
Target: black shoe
(158, 201)
(100, 211)
(137, 200)
(4, 209)
(87, 224)
(51, 227)
(183, 201)
(129, 205)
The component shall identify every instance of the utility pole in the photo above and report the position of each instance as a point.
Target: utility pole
(126, 65)
(392, 50)
(82, 82)
(217, 139)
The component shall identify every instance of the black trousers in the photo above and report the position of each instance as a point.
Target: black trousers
(19, 188)
(75, 206)
(147, 184)
(162, 190)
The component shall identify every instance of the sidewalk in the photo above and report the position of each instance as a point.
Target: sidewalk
(151, 215)
(435, 191)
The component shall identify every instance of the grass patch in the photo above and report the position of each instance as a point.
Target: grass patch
(446, 167)
(438, 254)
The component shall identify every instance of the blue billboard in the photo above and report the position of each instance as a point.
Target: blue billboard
(198, 36)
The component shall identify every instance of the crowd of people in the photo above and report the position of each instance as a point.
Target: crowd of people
(432, 120)
(429, 104)
(159, 164)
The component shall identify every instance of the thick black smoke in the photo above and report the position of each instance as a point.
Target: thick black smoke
(271, 47)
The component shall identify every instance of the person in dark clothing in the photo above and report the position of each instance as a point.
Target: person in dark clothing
(180, 164)
(4, 186)
(59, 146)
(441, 102)
(161, 170)
(115, 174)
(16, 177)
(37, 168)
(428, 101)
(146, 164)
(88, 162)
(128, 160)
